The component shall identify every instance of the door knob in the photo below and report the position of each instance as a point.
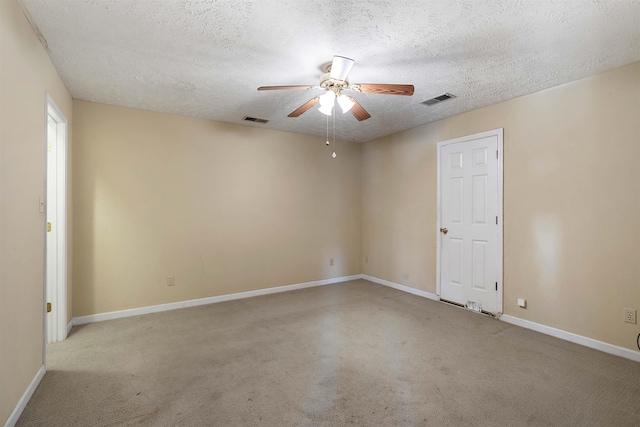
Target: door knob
(444, 230)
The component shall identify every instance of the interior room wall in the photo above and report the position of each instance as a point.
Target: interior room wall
(26, 75)
(222, 208)
(227, 208)
(571, 203)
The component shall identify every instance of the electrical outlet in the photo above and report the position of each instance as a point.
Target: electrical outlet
(330, 261)
(630, 315)
(366, 260)
(171, 281)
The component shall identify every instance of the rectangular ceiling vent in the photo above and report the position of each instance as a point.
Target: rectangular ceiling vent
(438, 99)
(253, 119)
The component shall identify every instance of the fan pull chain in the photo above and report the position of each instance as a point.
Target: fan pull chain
(334, 155)
(327, 143)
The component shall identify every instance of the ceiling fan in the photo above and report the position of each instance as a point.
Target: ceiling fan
(334, 81)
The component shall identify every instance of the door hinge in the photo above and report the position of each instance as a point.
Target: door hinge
(496, 286)
(496, 220)
(48, 307)
(496, 154)
(48, 227)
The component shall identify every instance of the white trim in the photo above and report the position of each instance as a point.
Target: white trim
(26, 396)
(499, 133)
(61, 216)
(575, 338)
(438, 218)
(204, 301)
(400, 287)
(500, 213)
(548, 330)
(69, 326)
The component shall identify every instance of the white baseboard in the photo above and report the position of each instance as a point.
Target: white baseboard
(22, 403)
(575, 338)
(69, 326)
(400, 287)
(548, 330)
(204, 301)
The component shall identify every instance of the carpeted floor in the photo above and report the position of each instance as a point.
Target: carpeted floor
(355, 353)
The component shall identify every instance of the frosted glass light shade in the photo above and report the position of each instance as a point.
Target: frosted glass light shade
(327, 98)
(326, 102)
(325, 109)
(345, 103)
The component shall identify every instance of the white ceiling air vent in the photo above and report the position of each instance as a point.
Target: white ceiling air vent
(438, 99)
(253, 119)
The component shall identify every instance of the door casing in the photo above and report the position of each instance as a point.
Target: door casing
(56, 292)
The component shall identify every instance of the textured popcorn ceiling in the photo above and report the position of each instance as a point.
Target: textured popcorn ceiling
(205, 58)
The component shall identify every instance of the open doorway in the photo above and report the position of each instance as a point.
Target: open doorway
(56, 229)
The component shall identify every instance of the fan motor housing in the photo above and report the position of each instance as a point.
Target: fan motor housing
(326, 82)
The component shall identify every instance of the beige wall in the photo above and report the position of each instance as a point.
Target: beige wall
(223, 208)
(26, 75)
(571, 203)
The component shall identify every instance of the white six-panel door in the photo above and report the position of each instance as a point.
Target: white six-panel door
(470, 246)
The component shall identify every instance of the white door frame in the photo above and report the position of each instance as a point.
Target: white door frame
(499, 134)
(59, 287)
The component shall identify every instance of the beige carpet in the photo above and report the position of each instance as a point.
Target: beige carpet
(355, 353)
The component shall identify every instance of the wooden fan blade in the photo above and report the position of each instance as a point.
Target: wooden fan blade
(358, 111)
(385, 89)
(284, 87)
(304, 107)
